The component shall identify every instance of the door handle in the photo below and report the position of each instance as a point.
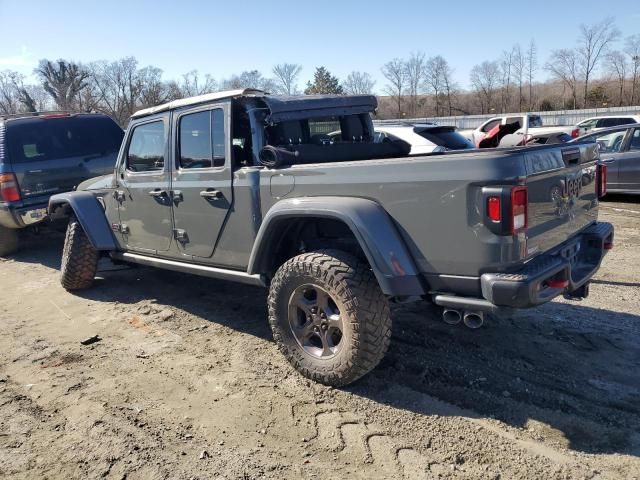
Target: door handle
(607, 160)
(211, 194)
(158, 193)
(177, 196)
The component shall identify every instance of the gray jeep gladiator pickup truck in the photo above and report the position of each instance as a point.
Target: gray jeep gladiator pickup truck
(250, 187)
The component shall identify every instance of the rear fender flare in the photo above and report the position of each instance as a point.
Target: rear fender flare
(90, 214)
(371, 225)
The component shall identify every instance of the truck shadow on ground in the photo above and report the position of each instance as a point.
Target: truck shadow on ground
(565, 372)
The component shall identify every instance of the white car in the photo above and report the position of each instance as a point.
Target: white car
(422, 137)
(594, 124)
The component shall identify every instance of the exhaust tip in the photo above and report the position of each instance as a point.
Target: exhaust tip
(451, 317)
(473, 320)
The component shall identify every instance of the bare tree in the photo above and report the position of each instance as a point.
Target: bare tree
(394, 71)
(632, 49)
(518, 71)
(485, 78)
(153, 91)
(192, 84)
(358, 83)
(286, 78)
(117, 87)
(617, 63)
(563, 65)
(414, 71)
(593, 43)
(249, 79)
(531, 68)
(9, 100)
(506, 64)
(434, 78)
(449, 84)
(63, 80)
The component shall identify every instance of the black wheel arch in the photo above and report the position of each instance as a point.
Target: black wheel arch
(89, 213)
(368, 224)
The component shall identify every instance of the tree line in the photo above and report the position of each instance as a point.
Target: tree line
(602, 69)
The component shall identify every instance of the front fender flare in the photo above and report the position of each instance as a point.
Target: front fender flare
(91, 216)
(372, 227)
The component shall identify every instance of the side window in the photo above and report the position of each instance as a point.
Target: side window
(588, 124)
(607, 122)
(517, 120)
(217, 120)
(490, 125)
(610, 142)
(202, 141)
(625, 121)
(146, 148)
(635, 141)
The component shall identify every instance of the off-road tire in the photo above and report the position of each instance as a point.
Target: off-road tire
(364, 311)
(8, 241)
(79, 258)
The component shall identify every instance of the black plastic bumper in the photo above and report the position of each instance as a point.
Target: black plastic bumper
(560, 271)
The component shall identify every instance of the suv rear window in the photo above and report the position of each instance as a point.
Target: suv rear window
(38, 139)
(446, 137)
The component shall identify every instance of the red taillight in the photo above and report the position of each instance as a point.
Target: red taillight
(9, 191)
(602, 180)
(557, 283)
(494, 209)
(575, 133)
(608, 245)
(519, 209)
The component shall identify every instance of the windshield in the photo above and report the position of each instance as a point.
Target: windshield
(40, 139)
(535, 121)
(446, 137)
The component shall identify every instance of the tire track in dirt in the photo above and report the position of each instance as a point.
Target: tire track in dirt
(350, 437)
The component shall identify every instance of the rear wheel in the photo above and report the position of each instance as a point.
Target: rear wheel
(329, 316)
(8, 241)
(79, 258)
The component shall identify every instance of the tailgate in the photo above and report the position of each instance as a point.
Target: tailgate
(562, 194)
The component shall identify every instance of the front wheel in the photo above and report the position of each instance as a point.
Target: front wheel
(79, 258)
(329, 317)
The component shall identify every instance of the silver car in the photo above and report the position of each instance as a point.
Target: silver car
(620, 150)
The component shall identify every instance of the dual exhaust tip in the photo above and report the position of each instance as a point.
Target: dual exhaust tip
(471, 319)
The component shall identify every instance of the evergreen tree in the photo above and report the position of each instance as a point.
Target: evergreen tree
(323, 83)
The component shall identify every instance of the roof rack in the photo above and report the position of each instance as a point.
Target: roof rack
(35, 114)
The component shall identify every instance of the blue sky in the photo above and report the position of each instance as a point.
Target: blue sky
(223, 38)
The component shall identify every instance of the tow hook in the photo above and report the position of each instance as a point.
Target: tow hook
(579, 293)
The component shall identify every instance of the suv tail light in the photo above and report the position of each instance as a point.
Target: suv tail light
(9, 191)
(519, 209)
(575, 133)
(601, 182)
(507, 209)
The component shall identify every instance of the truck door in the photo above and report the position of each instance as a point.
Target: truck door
(201, 180)
(629, 164)
(610, 145)
(479, 134)
(144, 204)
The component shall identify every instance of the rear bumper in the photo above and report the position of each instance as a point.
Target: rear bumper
(14, 216)
(562, 270)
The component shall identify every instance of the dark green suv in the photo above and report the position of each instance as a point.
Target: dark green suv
(44, 154)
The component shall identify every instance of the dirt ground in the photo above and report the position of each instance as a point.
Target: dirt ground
(186, 383)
